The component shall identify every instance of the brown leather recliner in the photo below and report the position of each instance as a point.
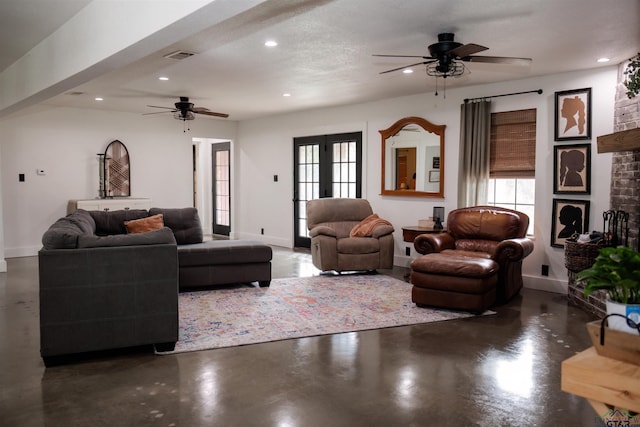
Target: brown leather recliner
(330, 221)
(487, 232)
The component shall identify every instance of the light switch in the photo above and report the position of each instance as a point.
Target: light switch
(40, 172)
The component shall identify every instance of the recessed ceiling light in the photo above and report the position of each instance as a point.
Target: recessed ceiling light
(603, 59)
(163, 78)
(407, 71)
(99, 99)
(286, 94)
(271, 43)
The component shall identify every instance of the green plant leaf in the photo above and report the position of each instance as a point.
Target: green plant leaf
(616, 271)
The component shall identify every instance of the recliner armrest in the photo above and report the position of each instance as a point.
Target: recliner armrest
(322, 230)
(382, 230)
(430, 243)
(513, 249)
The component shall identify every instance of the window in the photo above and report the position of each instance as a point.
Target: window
(513, 158)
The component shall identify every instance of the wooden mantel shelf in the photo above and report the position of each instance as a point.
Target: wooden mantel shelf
(626, 140)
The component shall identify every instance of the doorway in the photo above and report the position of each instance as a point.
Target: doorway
(212, 184)
(221, 188)
(324, 166)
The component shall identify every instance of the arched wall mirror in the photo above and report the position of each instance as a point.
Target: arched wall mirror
(117, 179)
(413, 159)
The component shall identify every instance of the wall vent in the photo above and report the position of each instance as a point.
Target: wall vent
(179, 55)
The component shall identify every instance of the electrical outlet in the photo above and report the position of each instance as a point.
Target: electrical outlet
(545, 270)
(262, 231)
(21, 177)
(407, 251)
(275, 178)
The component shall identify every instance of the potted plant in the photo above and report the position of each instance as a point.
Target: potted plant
(632, 77)
(616, 270)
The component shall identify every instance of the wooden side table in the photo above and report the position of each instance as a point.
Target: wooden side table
(410, 232)
(606, 383)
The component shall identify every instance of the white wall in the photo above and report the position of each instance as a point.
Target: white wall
(65, 142)
(265, 148)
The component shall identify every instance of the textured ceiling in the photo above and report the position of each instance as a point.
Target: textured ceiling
(324, 56)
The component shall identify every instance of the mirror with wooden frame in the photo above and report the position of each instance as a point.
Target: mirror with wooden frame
(413, 159)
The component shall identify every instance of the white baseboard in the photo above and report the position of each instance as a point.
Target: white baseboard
(269, 240)
(547, 284)
(402, 260)
(21, 252)
(3, 266)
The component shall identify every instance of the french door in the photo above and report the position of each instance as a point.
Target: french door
(324, 166)
(221, 188)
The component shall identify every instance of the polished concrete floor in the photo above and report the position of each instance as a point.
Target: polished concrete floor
(499, 370)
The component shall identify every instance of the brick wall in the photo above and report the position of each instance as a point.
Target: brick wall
(625, 189)
(625, 167)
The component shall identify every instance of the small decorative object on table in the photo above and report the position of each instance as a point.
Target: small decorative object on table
(438, 214)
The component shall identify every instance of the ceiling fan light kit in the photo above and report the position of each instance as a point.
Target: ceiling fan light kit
(186, 115)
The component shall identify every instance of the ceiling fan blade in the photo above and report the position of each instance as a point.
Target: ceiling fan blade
(211, 113)
(199, 109)
(166, 108)
(159, 112)
(498, 60)
(407, 66)
(405, 56)
(466, 50)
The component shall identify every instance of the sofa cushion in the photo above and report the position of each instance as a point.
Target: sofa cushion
(142, 225)
(477, 245)
(63, 234)
(163, 235)
(483, 224)
(184, 222)
(221, 252)
(112, 222)
(328, 210)
(358, 245)
(83, 220)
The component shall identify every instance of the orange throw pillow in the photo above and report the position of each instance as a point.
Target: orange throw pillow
(142, 225)
(365, 227)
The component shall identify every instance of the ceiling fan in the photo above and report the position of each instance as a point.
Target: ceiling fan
(185, 110)
(447, 57)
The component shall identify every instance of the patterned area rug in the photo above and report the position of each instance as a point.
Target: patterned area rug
(298, 307)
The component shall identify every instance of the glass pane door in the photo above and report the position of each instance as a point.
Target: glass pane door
(220, 163)
(325, 166)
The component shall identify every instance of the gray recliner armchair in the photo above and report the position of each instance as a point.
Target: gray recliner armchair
(330, 222)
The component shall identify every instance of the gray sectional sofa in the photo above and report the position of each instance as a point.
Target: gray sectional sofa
(102, 288)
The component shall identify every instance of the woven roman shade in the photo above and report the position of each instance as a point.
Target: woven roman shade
(513, 144)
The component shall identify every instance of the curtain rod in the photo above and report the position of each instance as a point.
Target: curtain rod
(539, 91)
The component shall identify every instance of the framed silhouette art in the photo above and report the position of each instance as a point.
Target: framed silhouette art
(569, 217)
(572, 169)
(572, 115)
